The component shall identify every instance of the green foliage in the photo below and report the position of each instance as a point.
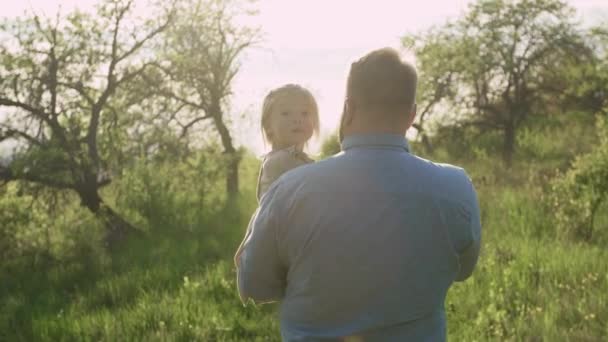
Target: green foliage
(580, 192)
(330, 146)
(33, 232)
(162, 195)
(169, 286)
(528, 289)
(48, 162)
(19, 221)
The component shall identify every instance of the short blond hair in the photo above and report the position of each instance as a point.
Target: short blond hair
(382, 80)
(277, 93)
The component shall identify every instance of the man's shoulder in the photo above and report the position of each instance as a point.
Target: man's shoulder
(450, 170)
(439, 168)
(448, 178)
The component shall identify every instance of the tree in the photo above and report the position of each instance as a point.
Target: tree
(436, 56)
(202, 54)
(494, 65)
(66, 90)
(587, 83)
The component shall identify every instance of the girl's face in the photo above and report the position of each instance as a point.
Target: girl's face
(291, 121)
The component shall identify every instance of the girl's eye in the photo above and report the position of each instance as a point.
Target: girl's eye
(284, 113)
(304, 113)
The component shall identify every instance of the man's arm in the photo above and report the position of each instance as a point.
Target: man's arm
(261, 274)
(469, 253)
(237, 255)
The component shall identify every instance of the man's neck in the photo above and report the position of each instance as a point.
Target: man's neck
(374, 130)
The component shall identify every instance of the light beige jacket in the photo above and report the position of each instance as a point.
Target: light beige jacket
(277, 163)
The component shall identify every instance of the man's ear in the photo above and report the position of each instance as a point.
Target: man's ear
(412, 116)
(349, 112)
(345, 120)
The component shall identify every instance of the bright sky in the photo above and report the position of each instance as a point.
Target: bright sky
(313, 43)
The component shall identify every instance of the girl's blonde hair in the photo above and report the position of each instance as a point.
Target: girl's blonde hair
(275, 94)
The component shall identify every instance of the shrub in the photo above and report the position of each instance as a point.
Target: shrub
(579, 193)
(171, 195)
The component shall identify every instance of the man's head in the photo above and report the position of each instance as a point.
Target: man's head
(380, 95)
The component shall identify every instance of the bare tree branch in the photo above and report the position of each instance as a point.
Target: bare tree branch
(80, 89)
(39, 113)
(187, 126)
(10, 133)
(141, 42)
(7, 175)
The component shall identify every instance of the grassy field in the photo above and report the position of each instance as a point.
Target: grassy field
(178, 284)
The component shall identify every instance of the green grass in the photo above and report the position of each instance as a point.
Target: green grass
(178, 284)
(528, 285)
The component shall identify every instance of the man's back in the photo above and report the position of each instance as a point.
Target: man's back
(371, 240)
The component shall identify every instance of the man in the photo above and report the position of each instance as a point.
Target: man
(364, 245)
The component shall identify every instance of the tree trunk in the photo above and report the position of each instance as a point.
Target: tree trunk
(508, 144)
(424, 138)
(232, 175)
(428, 148)
(117, 228)
(588, 233)
(233, 157)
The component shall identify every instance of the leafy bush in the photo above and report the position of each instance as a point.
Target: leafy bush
(580, 192)
(18, 218)
(35, 235)
(330, 146)
(174, 195)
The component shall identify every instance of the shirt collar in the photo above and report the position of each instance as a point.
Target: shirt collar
(382, 140)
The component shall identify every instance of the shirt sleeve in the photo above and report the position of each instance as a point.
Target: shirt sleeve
(261, 274)
(470, 243)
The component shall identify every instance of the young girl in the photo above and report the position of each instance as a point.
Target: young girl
(290, 117)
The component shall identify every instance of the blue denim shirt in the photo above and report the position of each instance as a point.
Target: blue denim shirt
(364, 244)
